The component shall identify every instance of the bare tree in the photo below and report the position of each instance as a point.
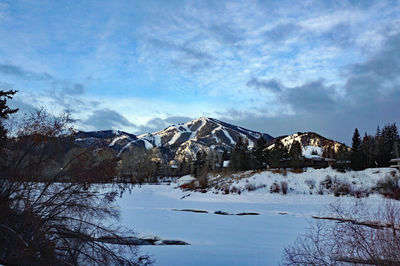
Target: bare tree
(54, 208)
(353, 235)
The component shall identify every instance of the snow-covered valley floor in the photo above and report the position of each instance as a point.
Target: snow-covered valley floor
(218, 239)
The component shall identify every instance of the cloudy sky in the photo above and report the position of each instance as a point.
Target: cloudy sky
(272, 66)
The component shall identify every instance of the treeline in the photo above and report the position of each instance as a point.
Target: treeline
(276, 154)
(371, 151)
(375, 150)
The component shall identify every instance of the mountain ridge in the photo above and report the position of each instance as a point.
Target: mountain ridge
(182, 141)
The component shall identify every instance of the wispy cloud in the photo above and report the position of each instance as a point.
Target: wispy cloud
(236, 59)
(21, 73)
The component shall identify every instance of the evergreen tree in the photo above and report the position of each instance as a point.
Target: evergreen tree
(225, 156)
(368, 150)
(5, 112)
(201, 169)
(378, 132)
(342, 154)
(385, 142)
(199, 163)
(240, 158)
(296, 153)
(357, 161)
(277, 153)
(259, 154)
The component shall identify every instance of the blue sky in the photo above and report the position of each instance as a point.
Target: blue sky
(272, 66)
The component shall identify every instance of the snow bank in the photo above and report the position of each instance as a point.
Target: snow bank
(311, 181)
(186, 179)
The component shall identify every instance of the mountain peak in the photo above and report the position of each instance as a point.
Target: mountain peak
(199, 134)
(181, 140)
(309, 141)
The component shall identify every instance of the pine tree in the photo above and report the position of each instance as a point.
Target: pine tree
(5, 112)
(296, 153)
(368, 148)
(240, 158)
(259, 154)
(356, 153)
(388, 137)
(277, 153)
(199, 163)
(342, 154)
(378, 132)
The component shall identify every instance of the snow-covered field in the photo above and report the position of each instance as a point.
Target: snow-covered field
(218, 239)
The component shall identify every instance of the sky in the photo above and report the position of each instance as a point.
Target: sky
(278, 67)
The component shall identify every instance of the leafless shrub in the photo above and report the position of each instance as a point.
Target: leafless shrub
(350, 236)
(284, 187)
(235, 190)
(341, 188)
(203, 181)
(275, 188)
(390, 186)
(250, 187)
(336, 186)
(326, 183)
(51, 212)
(310, 183)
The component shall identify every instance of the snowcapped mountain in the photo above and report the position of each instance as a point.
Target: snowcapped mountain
(182, 142)
(312, 144)
(207, 131)
(185, 140)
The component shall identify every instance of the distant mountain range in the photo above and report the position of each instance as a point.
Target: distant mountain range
(178, 142)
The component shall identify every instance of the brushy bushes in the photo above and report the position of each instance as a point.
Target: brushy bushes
(341, 188)
(250, 187)
(335, 186)
(390, 186)
(284, 187)
(310, 183)
(235, 190)
(277, 188)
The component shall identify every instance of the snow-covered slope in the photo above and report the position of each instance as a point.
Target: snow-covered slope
(309, 181)
(185, 140)
(311, 143)
(204, 130)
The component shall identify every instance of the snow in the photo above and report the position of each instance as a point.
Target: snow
(303, 183)
(147, 144)
(186, 179)
(174, 138)
(118, 139)
(218, 239)
(308, 150)
(154, 139)
(229, 137)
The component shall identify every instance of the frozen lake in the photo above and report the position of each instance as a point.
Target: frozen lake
(217, 239)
